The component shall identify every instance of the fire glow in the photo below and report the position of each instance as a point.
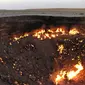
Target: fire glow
(20, 37)
(50, 33)
(73, 31)
(47, 34)
(68, 75)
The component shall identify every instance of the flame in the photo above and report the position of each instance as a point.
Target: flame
(73, 31)
(60, 77)
(47, 34)
(65, 74)
(60, 48)
(72, 74)
(50, 33)
(20, 37)
(61, 30)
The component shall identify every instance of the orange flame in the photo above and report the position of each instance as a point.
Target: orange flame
(47, 34)
(72, 74)
(69, 75)
(21, 36)
(61, 48)
(60, 30)
(73, 31)
(60, 77)
(50, 33)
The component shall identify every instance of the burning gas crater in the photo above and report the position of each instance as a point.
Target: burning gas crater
(42, 34)
(47, 34)
(69, 75)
